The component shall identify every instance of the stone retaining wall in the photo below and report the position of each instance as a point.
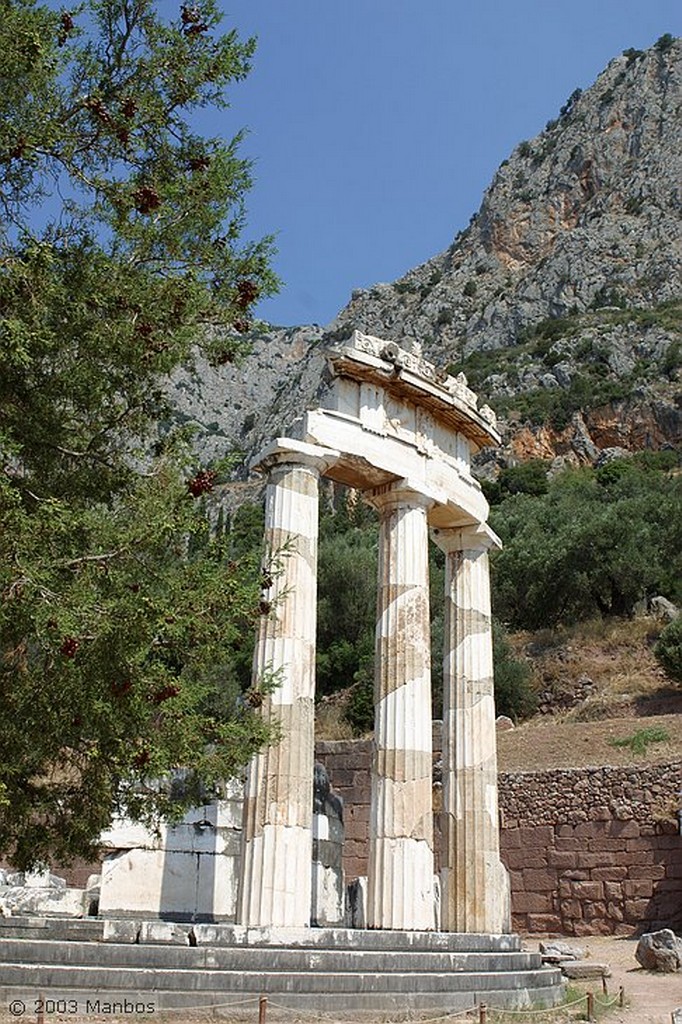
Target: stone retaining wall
(593, 850)
(589, 850)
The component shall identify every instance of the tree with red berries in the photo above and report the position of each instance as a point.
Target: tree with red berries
(119, 258)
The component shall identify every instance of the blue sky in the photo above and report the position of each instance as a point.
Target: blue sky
(376, 125)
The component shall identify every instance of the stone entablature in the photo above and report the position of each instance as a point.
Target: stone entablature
(386, 415)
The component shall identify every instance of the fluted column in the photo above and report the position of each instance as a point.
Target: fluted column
(474, 882)
(275, 886)
(400, 884)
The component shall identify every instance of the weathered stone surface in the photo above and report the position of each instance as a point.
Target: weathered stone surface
(356, 903)
(475, 884)
(663, 608)
(584, 969)
(186, 871)
(26, 900)
(555, 951)
(400, 870)
(277, 838)
(328, 889)
(660, 951)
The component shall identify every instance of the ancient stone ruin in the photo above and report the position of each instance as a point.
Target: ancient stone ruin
(249, 883)
(402, 433)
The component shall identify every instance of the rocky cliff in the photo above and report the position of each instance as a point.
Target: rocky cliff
(560, 301)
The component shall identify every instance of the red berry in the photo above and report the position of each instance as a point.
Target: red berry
(69, 647)
(202, 483)
(147, 199)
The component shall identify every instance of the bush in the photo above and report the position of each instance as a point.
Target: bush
(360, 708)
(664, 43)
(594, 545)
(514, 695)
(668, 649)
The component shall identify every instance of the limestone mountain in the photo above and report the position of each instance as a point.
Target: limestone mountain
(561, 301)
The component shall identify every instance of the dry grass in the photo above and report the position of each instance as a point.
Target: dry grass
(548, 742)
(330, 723)
(629, 688)
(617, 655)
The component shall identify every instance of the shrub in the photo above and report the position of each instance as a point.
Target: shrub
(470, 288)
(513, 693)
(664, 43)
(668, 649)
(360, 707)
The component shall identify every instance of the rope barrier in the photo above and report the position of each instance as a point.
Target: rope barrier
(607, 1002)
(547, 1009)
(209, 1007)
(333, 1019)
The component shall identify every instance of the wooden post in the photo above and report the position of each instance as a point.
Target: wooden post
(621, 997)
(590, 1005)
(262, 1009)
(604, 985)
(40, 1016)
(482, 1013)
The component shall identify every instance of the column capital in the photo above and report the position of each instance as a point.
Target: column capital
(476, 537)
(289, 450)
(400, 492)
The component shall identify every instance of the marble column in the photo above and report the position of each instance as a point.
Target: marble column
(474, 882)
(275, 883)
(400, 882)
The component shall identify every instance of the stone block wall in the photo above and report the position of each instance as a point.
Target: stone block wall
(593, 850)
(589, 850)
(348, 766)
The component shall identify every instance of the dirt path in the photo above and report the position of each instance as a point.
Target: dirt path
(650, 997)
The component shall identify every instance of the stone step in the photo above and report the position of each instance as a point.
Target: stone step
(68, 929)
(54, 977)
(322, 970)
(143, 932)
(445, 1000)
(253, 959)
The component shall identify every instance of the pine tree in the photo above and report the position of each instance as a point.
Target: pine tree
(119, 258)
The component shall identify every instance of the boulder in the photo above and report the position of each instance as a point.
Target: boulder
(660, 951)
(503, 723)
(662, 608)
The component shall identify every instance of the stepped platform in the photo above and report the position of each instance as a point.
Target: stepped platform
(172, 966)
